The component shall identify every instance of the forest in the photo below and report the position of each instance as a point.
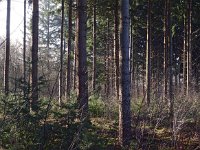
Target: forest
(101, 75)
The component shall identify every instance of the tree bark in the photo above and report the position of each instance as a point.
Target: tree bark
(7, 60)
(189, 30)
(35, 21)
(171, 92)
(61, 56)
(165, 76)
(94, 47)
(124, 107)
(69, 50)
(116, 41)
(148, 55)
(82, 59)
(24, 53)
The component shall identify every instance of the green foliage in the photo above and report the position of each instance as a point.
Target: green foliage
(96, 106)
(49, 128)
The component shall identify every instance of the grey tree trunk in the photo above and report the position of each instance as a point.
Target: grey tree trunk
(124, 106)
(82, 59)
(7, 60)
(35, 21)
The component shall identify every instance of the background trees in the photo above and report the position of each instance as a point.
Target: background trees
(103, 54)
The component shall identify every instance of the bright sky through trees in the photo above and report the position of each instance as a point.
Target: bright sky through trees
(17, 9)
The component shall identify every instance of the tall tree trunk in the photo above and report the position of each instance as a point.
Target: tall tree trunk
(166, 49)
(75, 54)
(116, 41)
(184, 56)
(189, 30)
(82, 59)
(35, 21)
(107, 62)
(61, 57)
(24, 53)
(94, 47)
(132, 60)
(170, 49)
(69, 49)
(7, 60)
(124, 107)
(148, 55)
(48, 36)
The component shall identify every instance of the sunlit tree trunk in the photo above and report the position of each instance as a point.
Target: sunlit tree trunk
(35, 21)
(124, 106)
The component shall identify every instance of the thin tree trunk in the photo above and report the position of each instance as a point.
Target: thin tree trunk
(107, 62)
(116, 41)
(35, 21)
(184, 56)
(61, 57)
(165, 50)
(189, 30)
(48, 36)
(171, 92)
(69, 50)
(75, 55)
(24, 53)
(148, 55)
(7, 60)
(124, 107)
(94, 47)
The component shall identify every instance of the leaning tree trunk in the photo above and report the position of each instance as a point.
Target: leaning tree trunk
(35, 21)
(7, 60)
(82, 59)
(124, 106)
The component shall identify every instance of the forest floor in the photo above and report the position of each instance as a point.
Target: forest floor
(104, 135)
(150, 129)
